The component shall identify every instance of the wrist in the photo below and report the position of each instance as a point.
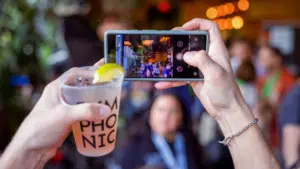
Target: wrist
(235, 118)
(19, 154)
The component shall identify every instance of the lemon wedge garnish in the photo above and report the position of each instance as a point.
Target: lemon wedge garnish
(107, 72)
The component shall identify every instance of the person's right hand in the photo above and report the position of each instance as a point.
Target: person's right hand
(219, 91)
(223, 100)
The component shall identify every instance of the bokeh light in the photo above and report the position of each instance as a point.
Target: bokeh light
(221, 24)
(164, 7)
(230, 7)
(243, 5)
(229, 23)
(226, 9)
(211, 13)
(237, 22)
(220, 11)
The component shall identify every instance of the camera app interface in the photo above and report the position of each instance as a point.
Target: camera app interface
(155, 56)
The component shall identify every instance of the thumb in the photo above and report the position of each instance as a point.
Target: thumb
(85, 111)
(201, 60)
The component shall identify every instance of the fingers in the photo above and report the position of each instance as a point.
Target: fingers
(177, 28)
(204, 24)
(100, 62)
(166, 85)
(201, 60)
(86, 111)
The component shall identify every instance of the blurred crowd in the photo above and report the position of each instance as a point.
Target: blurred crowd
(268, 86)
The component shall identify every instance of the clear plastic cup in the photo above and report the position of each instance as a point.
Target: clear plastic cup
(93, 138)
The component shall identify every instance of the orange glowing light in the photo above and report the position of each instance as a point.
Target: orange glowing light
(220, 10)
(230, 7)
(164, 39)
(228, 23)
(225, 9)
(237, 22)
(243, 5)
(211, 13)
(221, 24)
(147, 42)
(127, 43)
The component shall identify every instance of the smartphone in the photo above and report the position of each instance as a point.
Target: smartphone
(151, 55)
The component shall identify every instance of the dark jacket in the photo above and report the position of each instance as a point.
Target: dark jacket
(83, 43)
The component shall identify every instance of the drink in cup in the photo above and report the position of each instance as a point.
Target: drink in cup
(93, 85)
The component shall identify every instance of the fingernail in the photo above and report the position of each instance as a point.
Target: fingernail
(188, 55)
(104, 111)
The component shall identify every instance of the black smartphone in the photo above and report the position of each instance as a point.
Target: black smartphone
(151, 55)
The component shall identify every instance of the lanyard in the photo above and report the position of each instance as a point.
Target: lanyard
(178, 162)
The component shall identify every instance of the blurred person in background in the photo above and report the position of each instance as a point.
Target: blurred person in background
(274, 85)
(84, 33)
(246, 79)
(161, 137)
(138, 100)
(111, 21)
(240, 50)
(289, 127)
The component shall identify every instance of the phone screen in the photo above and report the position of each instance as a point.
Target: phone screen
(155, 56)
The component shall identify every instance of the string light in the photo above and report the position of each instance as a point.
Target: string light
(226, 9)
(229, 23)
(220, 11)
(230, 7)
(211, 13)
(237, 22)
(243, 5)
(221, 24)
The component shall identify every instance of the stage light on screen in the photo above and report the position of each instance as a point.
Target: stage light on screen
(127, 43)
(147, 42)
(211, 13)
(164, 39)
(228, 23)
(243, 5)
(237, 22)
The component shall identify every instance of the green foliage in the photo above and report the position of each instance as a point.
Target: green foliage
(24, 49)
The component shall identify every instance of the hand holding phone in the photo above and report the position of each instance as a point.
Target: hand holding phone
(155, 55)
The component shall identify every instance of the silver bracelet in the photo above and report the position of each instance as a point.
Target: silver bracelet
(227, 140)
